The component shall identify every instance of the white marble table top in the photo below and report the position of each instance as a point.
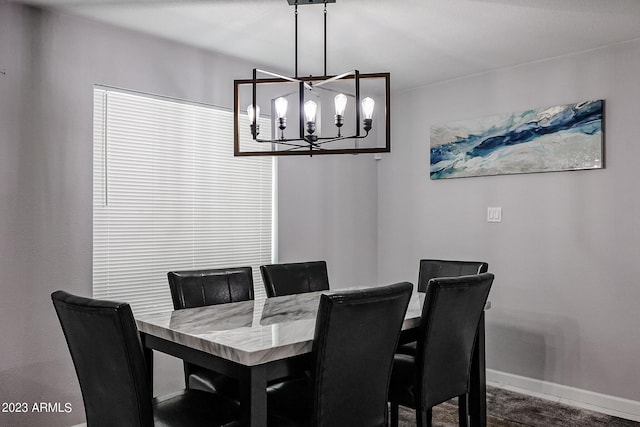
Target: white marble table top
(251, 332)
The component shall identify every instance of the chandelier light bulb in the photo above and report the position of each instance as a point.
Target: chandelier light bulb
(281, 112)
(253, 114)
(367, 108)
(310, 109)
(281, 107)
(340, 102)
(367, 112)
(253, 124)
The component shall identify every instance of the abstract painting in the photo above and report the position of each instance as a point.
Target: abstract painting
(564, 137)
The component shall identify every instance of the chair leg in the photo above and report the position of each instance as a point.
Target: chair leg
(463, 410)
(394, 415)
(423, 418)
(186, 375)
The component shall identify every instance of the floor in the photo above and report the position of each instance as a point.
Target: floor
(506, 408)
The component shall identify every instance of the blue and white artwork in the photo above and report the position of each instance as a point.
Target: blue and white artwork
(565, 137)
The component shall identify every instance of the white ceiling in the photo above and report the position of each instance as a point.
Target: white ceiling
(417, 41)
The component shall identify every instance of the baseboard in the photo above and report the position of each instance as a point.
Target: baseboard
(606, 404)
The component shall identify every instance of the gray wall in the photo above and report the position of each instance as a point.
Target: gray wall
(328, 210)
(49, 63)
(566, 255)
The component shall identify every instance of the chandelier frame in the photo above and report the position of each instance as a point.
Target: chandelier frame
(301, 145)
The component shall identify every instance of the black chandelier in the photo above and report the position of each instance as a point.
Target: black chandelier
(309, 95)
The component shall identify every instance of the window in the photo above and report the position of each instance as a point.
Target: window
(169, 195)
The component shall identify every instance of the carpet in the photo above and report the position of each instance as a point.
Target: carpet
(506, 408)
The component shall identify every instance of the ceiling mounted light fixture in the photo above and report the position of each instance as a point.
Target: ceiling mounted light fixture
(361, 125)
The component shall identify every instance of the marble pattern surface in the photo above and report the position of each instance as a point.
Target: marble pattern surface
(252, 332)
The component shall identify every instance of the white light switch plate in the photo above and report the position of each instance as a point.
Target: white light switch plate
(494, 214)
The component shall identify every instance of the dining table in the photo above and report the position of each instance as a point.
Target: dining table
(260, 341)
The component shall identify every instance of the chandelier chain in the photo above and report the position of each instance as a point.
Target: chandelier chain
(296, 44)
(325, 39)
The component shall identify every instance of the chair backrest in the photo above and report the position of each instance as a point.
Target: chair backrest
(355, 339)
(108, 357)
(432, 268)
(451, 313)
(196, 288)
(294, 278)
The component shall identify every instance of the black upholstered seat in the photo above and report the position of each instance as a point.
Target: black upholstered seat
(294, 278)
(355, 338)
(196, 288)
(109, 360)
(440, 369)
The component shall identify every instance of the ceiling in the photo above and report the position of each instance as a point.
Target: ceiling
(418, 41)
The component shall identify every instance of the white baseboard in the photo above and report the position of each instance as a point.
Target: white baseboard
(606, 404)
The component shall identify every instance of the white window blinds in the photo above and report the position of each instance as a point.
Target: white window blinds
(169, 195)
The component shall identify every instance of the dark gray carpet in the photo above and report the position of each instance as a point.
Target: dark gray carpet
(506, 408)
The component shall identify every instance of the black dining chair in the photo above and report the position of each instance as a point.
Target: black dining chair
(294, 278)
(432, 268)
(197, 288)
(107, 353)
(356, 333)
(440, 370)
